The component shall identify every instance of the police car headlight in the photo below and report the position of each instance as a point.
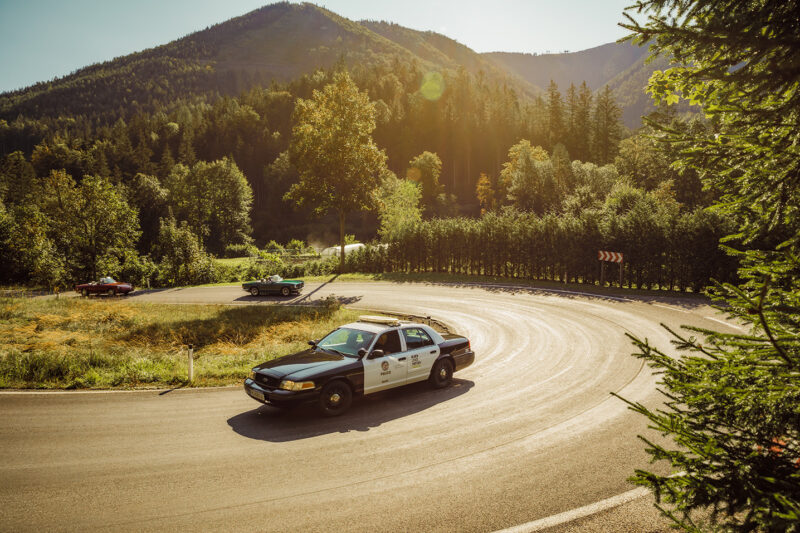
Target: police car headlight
(296, 385)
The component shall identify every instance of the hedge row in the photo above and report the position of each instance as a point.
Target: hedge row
(667, 252)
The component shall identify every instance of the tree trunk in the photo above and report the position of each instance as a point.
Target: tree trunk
(341, 242)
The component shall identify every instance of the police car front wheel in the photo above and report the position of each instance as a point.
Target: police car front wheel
(335, 398)
(441, 373)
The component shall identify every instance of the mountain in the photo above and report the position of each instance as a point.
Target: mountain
(279, 42)
(621, 66)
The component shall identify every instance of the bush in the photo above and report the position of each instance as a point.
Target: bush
(240, 250)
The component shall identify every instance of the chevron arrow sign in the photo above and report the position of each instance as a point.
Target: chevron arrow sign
(612, 257)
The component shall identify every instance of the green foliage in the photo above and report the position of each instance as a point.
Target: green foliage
(332, 147)
(241, 250)
(485, 193)
(17, 178)
(214, 199)
(606, 129)
(181, 257)
(425, 170)
(564, 247)
(90, 223)
(529, 179)
(27, 252)
(732, 399)
(398, 206)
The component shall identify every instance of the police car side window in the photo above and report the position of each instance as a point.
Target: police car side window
(416, 338)
(389, 342)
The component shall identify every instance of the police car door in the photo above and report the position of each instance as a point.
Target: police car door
(421, 351)
(387, 371)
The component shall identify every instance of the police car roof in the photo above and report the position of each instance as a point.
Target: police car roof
(376, 324)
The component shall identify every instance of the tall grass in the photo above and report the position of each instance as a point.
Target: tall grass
(72, 343)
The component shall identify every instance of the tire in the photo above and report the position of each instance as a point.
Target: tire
(335, 398)
(85, 293)
(285, 291)
(441, 374)
(254, 291)
(110, 292)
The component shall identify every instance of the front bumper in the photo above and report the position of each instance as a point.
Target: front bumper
(279, 397)
(464, 359)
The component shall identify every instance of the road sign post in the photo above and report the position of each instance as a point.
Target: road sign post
(609, 257)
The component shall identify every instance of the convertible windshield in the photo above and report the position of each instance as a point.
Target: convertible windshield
(275, 278)
(346, 341)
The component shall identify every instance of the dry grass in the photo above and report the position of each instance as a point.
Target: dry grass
(71, 343)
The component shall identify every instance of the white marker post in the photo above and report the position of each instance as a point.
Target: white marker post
(191, 363)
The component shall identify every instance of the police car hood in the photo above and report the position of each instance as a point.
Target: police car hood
(304, 364)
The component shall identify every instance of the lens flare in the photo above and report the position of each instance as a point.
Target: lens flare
(432, 86)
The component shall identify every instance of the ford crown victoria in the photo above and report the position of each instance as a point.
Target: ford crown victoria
(364, 357)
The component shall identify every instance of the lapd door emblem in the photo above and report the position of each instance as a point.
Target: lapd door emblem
(385, 366)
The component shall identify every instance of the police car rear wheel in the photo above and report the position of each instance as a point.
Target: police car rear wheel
(441, 374)
(335, 398)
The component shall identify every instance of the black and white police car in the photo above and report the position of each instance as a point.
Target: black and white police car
(371, 355)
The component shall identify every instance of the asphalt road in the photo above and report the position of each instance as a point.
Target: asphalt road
(527, 432)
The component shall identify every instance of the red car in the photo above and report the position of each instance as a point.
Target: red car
(105, 286)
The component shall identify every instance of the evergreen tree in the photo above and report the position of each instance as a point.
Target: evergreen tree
(570, 139)
(583, 124)
(606, 129)
(555, 115)
(733, 400)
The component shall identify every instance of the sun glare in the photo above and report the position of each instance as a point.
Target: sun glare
(432, 85)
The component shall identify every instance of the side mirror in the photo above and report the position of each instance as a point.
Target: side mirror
(376, 354)
(312, 343)
(362, 352)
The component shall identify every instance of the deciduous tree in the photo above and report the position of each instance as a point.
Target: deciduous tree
(332, 148)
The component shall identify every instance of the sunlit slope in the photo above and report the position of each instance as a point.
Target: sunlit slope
(277, 42)
(620, 65)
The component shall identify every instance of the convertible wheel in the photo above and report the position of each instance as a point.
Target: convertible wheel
(110, 292)
(441, 374)
(335, 399)
(254, 291)
(84, 293)
(285, 291)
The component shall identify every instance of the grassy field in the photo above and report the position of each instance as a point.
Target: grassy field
(78, 343)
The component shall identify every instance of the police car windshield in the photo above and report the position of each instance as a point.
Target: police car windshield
(346, 341)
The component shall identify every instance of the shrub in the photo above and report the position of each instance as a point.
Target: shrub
(240, 250)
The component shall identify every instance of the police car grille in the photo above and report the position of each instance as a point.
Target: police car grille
(267, 381)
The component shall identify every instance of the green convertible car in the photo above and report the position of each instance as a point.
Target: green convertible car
(273, 285)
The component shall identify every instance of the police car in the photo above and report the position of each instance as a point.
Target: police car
(374, 354)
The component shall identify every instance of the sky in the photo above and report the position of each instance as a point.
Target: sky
(44, 39)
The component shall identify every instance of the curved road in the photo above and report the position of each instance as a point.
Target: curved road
(527, 432)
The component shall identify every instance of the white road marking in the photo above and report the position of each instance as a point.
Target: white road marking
(725, 323)
(580, 512)
(671, 308)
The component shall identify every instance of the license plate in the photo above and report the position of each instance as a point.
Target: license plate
(258, 395)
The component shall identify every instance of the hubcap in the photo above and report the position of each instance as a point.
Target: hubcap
(443, 373)
(335, 397)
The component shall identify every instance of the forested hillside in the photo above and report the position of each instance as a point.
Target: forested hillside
(621, 66)
(190, 141)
